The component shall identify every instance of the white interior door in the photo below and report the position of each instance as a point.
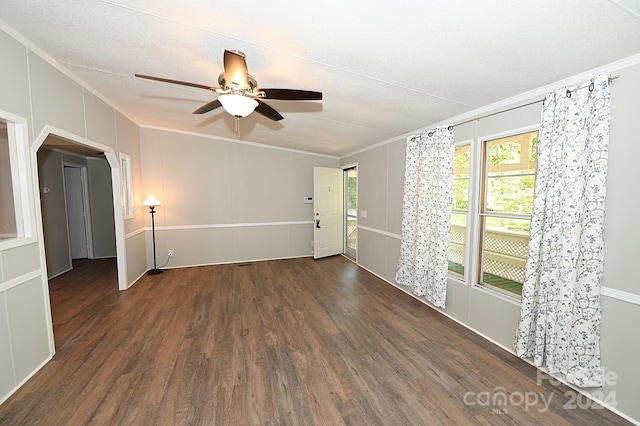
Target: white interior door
(328, 212)
(75, 212)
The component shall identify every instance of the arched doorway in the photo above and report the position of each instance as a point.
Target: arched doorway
(72, 149)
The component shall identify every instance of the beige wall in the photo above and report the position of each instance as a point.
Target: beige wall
(380, 186)
(128, 137)
(54, 212)
(103, 235)
(225, 201)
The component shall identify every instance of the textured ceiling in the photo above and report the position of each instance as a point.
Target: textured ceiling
(385, 68)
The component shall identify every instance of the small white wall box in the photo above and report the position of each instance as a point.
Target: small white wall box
(308, 200)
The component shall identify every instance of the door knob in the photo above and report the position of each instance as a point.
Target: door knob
(318, 223)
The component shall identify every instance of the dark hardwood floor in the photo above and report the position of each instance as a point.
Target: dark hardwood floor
(271, 343)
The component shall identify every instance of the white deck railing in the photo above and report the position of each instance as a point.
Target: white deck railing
(505, 252)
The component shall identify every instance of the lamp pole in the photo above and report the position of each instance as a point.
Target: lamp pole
(152, 202)
(155, 270)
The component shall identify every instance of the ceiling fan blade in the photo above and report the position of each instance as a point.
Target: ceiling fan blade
(267, 111)
(235, 69)
(291, 94)
(182, 83)
(208, 107)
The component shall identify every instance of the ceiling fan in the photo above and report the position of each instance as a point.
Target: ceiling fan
(239, 94)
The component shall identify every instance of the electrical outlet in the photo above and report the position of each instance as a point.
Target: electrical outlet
(170, 253)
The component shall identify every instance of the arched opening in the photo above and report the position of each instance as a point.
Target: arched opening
(80, 202)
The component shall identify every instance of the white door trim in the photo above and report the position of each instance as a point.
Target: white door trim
(345, 203)
(87, 207)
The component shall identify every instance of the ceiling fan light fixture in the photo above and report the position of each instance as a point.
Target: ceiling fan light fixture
(238, 105)
(239, 94)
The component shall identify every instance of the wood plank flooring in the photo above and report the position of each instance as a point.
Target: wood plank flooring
(287, 342)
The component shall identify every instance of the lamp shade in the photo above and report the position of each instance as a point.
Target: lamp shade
(151, 201)
(238, 105)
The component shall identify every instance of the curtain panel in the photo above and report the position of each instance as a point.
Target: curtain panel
(426, 214)
(560, 315)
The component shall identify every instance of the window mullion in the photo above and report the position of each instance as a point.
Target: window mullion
(473, 229)
(507, 215)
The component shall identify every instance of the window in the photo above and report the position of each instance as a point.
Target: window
(494, 177)
(15, 220)
(8, 226)
(125, 178)
(506, 201)
(460, 209)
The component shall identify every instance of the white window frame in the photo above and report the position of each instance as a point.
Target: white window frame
(468, 235)
(22, 193)
(125, 175)
(472, 249)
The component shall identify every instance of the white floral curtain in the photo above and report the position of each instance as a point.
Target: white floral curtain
(426, 215)
(560, 313)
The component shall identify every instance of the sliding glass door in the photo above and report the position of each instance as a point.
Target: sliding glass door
(351, 212)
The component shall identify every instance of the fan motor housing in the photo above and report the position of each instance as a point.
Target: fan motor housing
(234, 86)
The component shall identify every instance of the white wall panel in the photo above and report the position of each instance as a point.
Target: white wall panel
(392, 255)
(493, 316)
(300, 240)
(100, 120)
(465, 131)
(199, 246)
(192, 176)
(28, 326)
(509, 121)
(15, 78)
(261, 179)
(373, 195)
(7, 379)
(128, 139)
(621, 224)
(57, 100)
(54, 212)
(620, 349)
(395, 183)
(136, 256)
(20, 261)
(458, 301)
(227, 244)
(261, 242)
(300, 184)
(101, 207)
(372, 251)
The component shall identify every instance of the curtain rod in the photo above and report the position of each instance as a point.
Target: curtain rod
(590, 86)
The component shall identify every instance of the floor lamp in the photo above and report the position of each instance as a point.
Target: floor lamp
(152, 202)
